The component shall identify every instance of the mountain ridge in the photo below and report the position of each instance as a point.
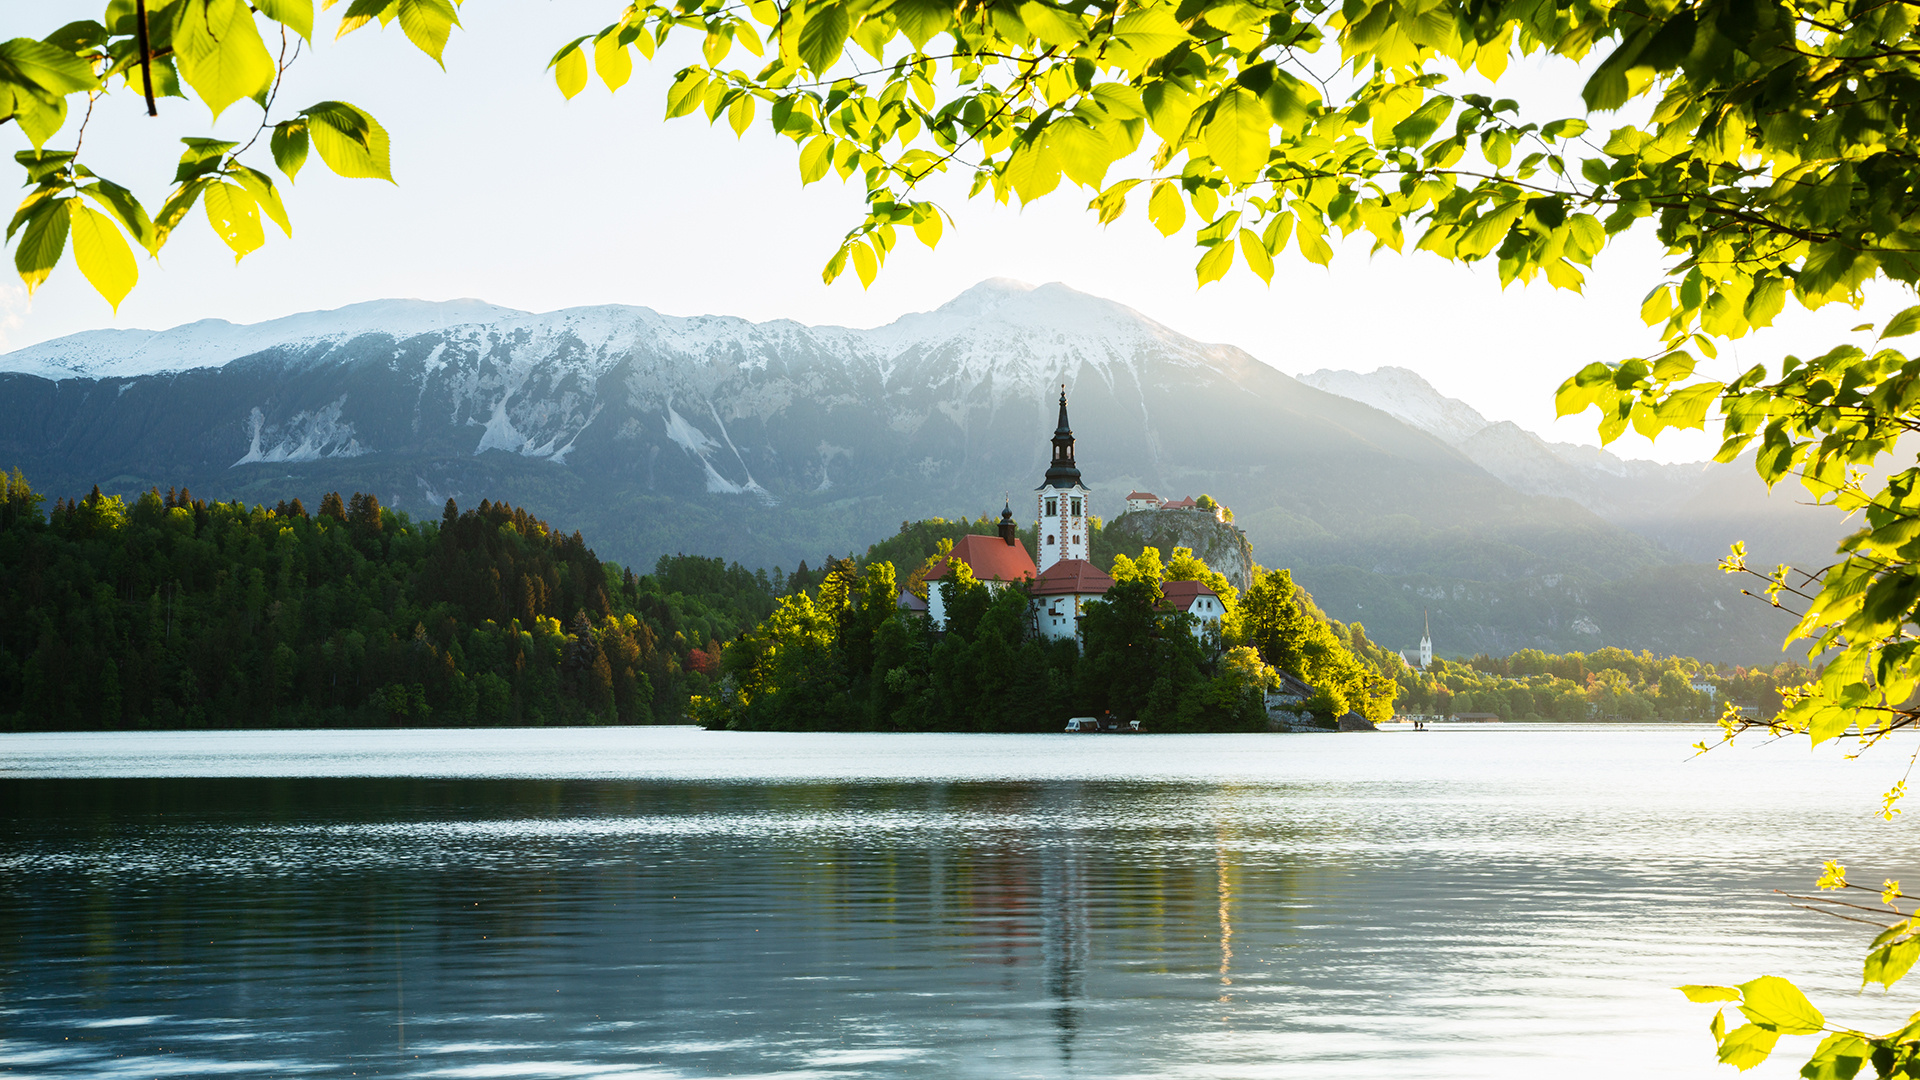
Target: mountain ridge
(772, 442)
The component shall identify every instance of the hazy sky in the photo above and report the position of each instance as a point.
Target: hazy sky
(509, 193)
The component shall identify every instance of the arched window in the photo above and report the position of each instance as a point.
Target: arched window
(1049, 538)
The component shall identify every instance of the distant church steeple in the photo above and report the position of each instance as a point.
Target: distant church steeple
(1063, 500)
(1063, 472)
(1426, 641)
(1009, 530)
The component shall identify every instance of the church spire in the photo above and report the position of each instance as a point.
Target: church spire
(1062, 473)
(1009, 529)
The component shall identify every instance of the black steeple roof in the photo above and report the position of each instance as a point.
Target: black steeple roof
(1062, 473)
(1009, 529)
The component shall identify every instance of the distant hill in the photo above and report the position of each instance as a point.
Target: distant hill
(770, 443)
(1696, 509)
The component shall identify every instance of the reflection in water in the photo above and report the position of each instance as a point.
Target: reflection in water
(1497, 913)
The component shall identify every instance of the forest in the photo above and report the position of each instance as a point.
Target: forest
(176, 612)
(843, 655)
(1605, 684)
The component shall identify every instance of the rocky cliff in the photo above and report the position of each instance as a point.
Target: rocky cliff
(1215, 543)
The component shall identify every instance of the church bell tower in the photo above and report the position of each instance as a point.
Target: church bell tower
(1063, 500)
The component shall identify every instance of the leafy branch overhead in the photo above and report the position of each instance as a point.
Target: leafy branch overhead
(140, 52)
(1776, 160)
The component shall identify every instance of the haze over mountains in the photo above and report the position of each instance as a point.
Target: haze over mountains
(775, 442)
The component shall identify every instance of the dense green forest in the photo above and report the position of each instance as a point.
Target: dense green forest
(842, 655)
(179, 613)
(1606, 684)
(174, 612)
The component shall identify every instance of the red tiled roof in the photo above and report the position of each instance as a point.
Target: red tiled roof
(1071, 577)
(1179, 504)
(1180, 595)
(1132, 495)
(991, 558)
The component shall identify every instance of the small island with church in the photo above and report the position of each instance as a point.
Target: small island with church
(981, 635)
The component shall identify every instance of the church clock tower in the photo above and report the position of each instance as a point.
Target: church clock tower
(1063, 500)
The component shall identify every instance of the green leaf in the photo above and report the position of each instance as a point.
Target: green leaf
(1033, 169)
(740, 114)
(1237, 135)
(864, 264)
(1053, 28)
(202, 156)
(611, 60)
(102, 253)
(174, 210)
(824, 35)
(1890, 963)
(120, 203)
(1166, 209)
(43, 242)
(1256, 255)
(1747, 1046)
(1777, 1003)
(42, 123)
(922, 20)
(1488, 232)
(260, 186)
(289, 143)
(569, 67)
(34, 74)
(689, 89)
(235, 218)
(220, 53)
(816, 158)
(295, 15)
(1169, 107)
(1418, 128)
(1564, 129)
(1147, 35)
(78, 37)
(428, 24)
(1696, 992)
(349, 140)
(1215, 263)
(1903, 324)
(1840, 1057)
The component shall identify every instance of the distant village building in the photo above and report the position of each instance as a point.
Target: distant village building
(1198, 601)
(996, 561)
(1063, 580)
(1067, 580)
(1423, 659)
(1147, 500)
(1060, 592)
(1064, 502)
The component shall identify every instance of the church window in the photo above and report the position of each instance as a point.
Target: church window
(1053, 507)
(1049, 538)
(1076, 507)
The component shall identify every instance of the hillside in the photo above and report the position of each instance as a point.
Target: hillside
(1696, 509)
(775, 442)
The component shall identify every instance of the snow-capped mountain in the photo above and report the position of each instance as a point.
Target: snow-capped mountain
(1696, 508)
(772, 442)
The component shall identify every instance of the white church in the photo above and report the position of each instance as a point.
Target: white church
(1064, 579)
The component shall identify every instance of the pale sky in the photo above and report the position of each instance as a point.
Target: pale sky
(508, 193)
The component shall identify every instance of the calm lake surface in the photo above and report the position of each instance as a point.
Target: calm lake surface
(1488, 901)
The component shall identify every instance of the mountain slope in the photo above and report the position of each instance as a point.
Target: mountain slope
(773, 442)
(1695, 509)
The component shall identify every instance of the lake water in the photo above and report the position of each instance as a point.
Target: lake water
(1497, 901)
